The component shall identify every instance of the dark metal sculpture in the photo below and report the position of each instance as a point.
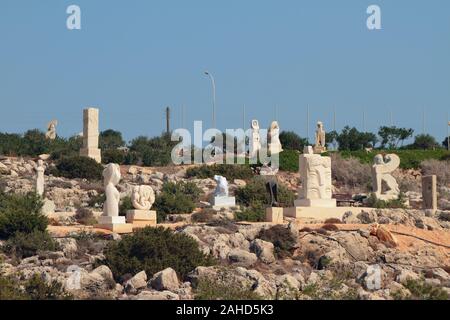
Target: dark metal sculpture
(272, 189)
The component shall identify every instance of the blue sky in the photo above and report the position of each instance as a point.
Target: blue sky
(133, 58)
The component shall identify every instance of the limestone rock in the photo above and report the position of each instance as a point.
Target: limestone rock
(156, 295)
(139, 281)
(264, 250)
(242, 258)
(165, 280)
(406, 275)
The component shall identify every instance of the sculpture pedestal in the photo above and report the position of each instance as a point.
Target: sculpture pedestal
(314, 214)
(223, 202)
(274, 215)
(320, 203)
(386, 197)
(275, 148)
(93, 153)
(319, 149)
(141, 218)
(114, 224)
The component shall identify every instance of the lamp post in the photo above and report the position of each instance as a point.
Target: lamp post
(214, 98)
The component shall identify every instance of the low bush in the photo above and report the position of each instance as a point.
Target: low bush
(125, 205)
(176, 198)
(350, 174)
(204, 216)
(398, 203)
(229, 171)
(217, 290)
(283, 240)
(420, 290)
(85, 216)
(23, 245)
(35, 288)
(78, 167)
(152, 250)
(439, 168)
(21, 214)
(251, 214)
(289, 160)
(113, 156)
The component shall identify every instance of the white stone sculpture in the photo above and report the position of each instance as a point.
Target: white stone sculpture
(221, 198)
(274, 138)
(90, 135)
(315, 175)
(111, 178)
(51, 130)
(142, 197)
(40, 180)
(222, 186)
(110, 218)
(381, 172)
(320, 146)
(255, 143)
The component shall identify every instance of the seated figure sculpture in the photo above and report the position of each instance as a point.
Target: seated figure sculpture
(142, 197)
(381, 172)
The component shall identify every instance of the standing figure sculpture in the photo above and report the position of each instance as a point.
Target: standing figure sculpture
(142, 197)
(111, 178)
(222, 186)
(51, 130)
(320, 145)
(272, 189)
(255, 143)
(381, 172)
(274, 138)
(39, 186)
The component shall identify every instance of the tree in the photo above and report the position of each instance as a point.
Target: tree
(351, 139)
(425, 141)
(392, 136)
(110, 139)
(445, 142)
(292, 141)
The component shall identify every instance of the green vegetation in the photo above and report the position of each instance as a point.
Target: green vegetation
(78, 167)
(85, 216)
(125, 205)
(152, 250)
(289, 160)
(153, 151)
(217, 290)
(21, 213)
(351, 139)
(176, 198)
(23, 245)
(284, 241)
(399, 203)
(255, 198)
(292, 141)
(35, 288)
(229, 171)
(409, 159)
(420, 290)
(392, 136)
(203, 216)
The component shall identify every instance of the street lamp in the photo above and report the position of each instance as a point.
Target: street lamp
(214, 98)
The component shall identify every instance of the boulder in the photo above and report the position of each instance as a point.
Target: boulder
(406, 275)
(155, 295)
(242, 258)
(139, 281)
(264, 250)
(165, 280)
(367, 217)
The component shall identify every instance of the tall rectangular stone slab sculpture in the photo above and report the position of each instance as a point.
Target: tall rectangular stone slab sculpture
(90, 135)
(315, 175)
(429, 192)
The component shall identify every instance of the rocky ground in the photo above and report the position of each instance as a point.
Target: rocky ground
(327, 261)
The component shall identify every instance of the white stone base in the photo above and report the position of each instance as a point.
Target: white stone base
(141, 218)
(93, 153)
(114, 224)
(223, 202)
(321, 203)
(321, 214)
(274, 215)
(387, 197)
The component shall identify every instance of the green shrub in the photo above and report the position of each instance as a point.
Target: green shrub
(217, 290)
(21, 213)
(289, 160)
(420, 290)
(37, 288)
(206, 215)
(176, 198)
(113, 156)
(283, 240)
(292, 141)
(125, 205)
(398, 203)
(152, 250)
(10, 289)
(229, 171)
(97, 201)
(255, 195)
(79, 167)
(251, 214)
(85, 216)
(23, 245)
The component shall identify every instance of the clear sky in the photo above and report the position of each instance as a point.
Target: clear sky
(133, 58)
